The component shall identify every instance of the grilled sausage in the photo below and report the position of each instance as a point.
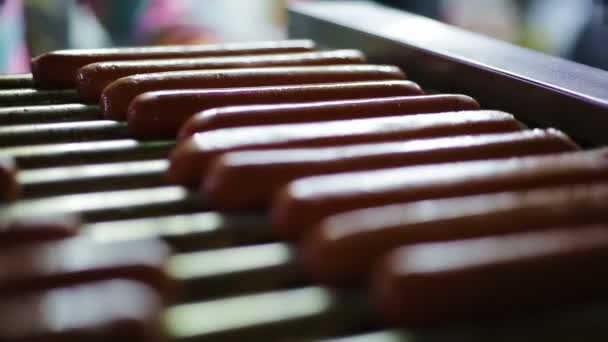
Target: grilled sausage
(306, 201)
(117, 96)
(57, 69)
(190, 159)
(45, 265)
(36, 229)
(9, 187)
(93, 78)
(237, 116)
(447, 282)
(343, 248)
(161, 114)
(115, 310)
(249, 179)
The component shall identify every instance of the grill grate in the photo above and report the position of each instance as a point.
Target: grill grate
(230, 270)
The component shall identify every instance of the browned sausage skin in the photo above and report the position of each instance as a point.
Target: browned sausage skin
(306, 201)
(93, 78)
(57, 69)
(343, 248)
(51, 264)
(190, 159)
(236, 116)
(9, 187)
(249, 179)
(448, 282)
(117, 96)
(35, 229)
(122, 311)
(161, 114)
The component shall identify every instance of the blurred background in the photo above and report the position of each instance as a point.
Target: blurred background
(574, 29)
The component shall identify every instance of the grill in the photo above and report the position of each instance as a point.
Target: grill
(236, 281)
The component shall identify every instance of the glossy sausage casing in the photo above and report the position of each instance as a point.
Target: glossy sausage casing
(93, 78)
(50, 264)
(9, 187)
(305, 202)
(250, 178)
(161, 114)
(343, 248)
(117, 96)
(35, 229)
(116, 310)
(57, 69)
(190, 159)
(238, 116)
(447, 282)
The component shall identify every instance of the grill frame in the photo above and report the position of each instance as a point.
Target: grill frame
(538, 88)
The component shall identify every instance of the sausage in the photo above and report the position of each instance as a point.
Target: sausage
(117, 96)
(115, 310)
(440, 283)
(237, 116)
(45, 265)
(37, 229)
(9, 186)
(93, 78)
(190, 159)
(306, 201)
(161, 114)
(249, 179)
(57, 69)
(343, 248)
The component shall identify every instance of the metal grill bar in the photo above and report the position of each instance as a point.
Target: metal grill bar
(17, 97)
(92, 177)
(189, 232)
(48, 113)
(16, 81)
(62, 132)
(108, 205)
(39, 156)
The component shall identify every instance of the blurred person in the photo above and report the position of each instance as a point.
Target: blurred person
(31, 27)
(13, 54)
(574, 29)
(591, 47)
